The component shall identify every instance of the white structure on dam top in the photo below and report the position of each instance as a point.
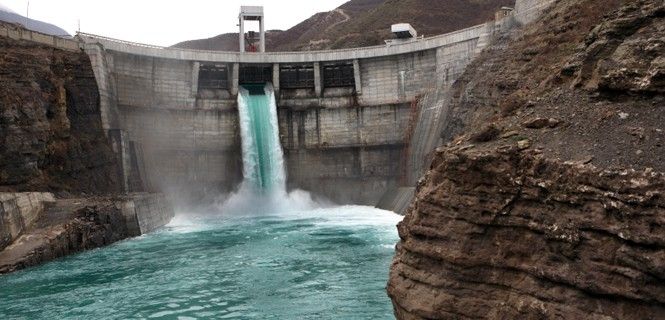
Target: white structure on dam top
(251, 13)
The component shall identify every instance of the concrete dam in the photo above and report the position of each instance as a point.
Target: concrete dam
(353, 123)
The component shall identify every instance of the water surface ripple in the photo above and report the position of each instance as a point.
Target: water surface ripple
(316, 264)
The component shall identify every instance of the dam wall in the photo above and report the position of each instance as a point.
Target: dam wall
(343, 140)
(347, 117)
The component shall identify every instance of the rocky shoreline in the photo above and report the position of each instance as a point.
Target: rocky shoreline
(67, 226)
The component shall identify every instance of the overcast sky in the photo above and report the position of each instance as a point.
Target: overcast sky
(164, 22)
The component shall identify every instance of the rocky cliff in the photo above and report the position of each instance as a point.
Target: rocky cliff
(509, 234)
(547, 200)
(50, 125)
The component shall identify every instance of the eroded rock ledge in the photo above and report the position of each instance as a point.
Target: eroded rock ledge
(509, 234)
(47, 228)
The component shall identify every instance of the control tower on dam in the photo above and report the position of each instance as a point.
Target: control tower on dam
(348, 119)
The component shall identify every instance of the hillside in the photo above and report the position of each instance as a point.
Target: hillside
(9, 16)
(360, 23)
(546, 201)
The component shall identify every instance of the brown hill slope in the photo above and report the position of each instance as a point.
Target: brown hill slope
(428, 17)
(224, 42)
(366, 22)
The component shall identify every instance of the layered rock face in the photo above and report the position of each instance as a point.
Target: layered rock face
(50, 125)
(547, 200)
(67, 227)
(508, 234)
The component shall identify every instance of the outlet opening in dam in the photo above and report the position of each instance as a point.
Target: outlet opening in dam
(255, 74)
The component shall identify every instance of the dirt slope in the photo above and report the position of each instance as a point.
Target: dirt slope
(366, 22)
(600, 80)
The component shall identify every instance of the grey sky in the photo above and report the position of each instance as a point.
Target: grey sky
(164, 22)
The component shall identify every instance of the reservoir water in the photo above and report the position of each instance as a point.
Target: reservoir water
(315, 264)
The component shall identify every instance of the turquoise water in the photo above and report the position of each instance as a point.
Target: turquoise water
(315, 264)
(263, 163)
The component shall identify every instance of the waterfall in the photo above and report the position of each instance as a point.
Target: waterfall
(262, 157)
(263, 189)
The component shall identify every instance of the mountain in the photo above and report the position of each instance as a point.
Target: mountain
(360, 23)
(225, 42)
(7, 15)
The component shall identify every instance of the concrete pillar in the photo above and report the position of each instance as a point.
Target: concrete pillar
(439, 62)
(356, 76)
(242, 34)
(401, 82)
(195, 77)
(252, 13)
(99, 67)
(120, 145)
(275, 78)
(318, 84)
(262, 33)
(235, 78)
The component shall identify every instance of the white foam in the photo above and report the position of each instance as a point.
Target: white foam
(349, 216)
(187, 223)
(254, 199)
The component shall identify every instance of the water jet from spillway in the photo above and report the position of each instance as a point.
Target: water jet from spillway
(263, 189)
(262, 157)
